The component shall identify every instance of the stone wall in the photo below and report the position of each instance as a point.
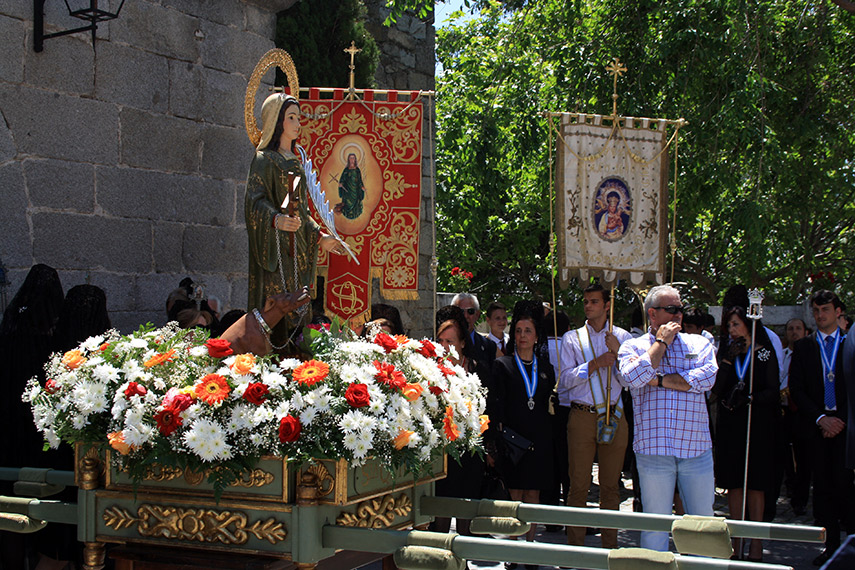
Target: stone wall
(124, 166)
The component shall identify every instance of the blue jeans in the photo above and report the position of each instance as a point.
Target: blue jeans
(658, 475)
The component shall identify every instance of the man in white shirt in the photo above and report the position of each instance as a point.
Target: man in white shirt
(497, 320)
(588, 357)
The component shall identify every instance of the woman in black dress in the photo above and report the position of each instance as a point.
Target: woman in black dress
(464, 478)
(732, 426)
(519, 399)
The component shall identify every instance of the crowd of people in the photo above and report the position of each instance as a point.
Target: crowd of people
(669, 405)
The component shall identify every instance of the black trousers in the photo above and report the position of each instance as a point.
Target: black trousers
(833, 490)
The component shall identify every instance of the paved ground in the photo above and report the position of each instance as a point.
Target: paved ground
(796, 555)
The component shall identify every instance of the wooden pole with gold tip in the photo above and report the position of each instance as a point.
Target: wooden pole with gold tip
(352, 50)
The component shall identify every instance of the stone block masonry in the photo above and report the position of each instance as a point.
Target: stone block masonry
(124, 166)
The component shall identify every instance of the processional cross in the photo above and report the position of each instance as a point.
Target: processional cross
(616, 68)
(352, 50)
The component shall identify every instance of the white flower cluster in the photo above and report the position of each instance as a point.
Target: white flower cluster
(168, 391)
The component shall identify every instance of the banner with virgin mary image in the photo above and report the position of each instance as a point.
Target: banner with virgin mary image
(368, 156)
(611, 198)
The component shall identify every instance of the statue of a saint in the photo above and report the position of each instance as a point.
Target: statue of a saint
(283, 238)
(351, 189)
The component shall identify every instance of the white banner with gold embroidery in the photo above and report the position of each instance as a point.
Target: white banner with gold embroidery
(611, 193)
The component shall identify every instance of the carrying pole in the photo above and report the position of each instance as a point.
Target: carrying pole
(609, 371)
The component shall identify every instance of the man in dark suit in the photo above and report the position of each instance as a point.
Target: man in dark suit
(483, 349)
(848, 350)
(819, 391)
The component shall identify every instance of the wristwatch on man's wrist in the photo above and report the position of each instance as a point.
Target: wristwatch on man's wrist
(659, 379)
(662, 341)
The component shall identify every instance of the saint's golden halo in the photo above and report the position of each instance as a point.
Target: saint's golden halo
(281, 59)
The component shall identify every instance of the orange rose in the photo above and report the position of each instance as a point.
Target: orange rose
(485, 422)
(412, 391)
(117, 442)
(73, 359)
(403, 439)
(243, 363)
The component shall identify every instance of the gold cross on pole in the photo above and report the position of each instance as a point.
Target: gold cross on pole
(352, 50)
(616, 68)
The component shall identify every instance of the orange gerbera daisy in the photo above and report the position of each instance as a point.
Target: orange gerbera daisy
(212, 389)
(311, 372)
(401, 339)
(159, 358)
(451, 431)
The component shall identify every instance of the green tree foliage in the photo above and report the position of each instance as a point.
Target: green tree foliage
(766, 181)
(316, 33)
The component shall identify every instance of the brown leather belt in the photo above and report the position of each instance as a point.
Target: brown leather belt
(583, 407)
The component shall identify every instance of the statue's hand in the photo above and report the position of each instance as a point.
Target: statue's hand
(287, 223)
(330, 244)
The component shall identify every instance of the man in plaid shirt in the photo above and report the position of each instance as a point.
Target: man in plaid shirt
(668, 373)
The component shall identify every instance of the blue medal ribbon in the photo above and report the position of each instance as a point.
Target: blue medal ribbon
(742, 367)
(530, 381)
(828, 363)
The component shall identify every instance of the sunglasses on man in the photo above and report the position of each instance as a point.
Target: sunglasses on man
(671, 309)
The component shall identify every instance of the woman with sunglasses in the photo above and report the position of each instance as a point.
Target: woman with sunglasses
(731, 391)
(518, 403)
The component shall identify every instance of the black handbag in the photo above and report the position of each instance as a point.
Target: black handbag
(516, 446)
(736, 398)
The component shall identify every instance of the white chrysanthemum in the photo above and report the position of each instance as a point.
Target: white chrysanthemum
(351, 421)
(361, 449)
(138, 435)
(105, 373)
(263, 414)
(287, 364)
(415, 441)
(159, 384)
(282, 409)
(52, 439)
(80, 421)
(198, 351)
(134, 416)
(241, 418)
(350, 440)
(90, 397)
(308, 415)
(138, 343)
(256, 438)
(297, 401)
(92, 343)
(119, 406)
(425, 453)
(351, 373)
(274, 380)
(358, 348)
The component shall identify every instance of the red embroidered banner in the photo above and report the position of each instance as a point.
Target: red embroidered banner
(368, 155)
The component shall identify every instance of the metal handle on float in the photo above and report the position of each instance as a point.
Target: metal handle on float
(576, 516)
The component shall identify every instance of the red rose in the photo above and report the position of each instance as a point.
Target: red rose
(256, 393)
(168, 420)
(428, 349)
(455, 270)
(446, 370)
(134, 389)
(219, 348)
(357, 395)
(387, 342)
(436, 390)
(182, 401)
(51, 387)
(386, 374)
(289, 429)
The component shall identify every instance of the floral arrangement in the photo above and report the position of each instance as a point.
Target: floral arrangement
(176, 397)
(460, 279)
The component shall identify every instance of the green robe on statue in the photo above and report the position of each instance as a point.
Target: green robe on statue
(351, 192)
(270, 176)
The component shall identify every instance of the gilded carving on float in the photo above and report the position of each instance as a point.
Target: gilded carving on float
(196, 525)
(326, 482)
(161, 473)
(377, 513)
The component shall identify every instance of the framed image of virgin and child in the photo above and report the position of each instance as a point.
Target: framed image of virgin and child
(612, 208)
